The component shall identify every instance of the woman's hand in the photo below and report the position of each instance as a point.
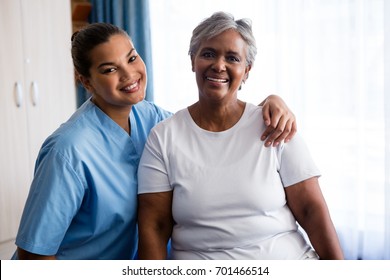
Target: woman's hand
(280, 121)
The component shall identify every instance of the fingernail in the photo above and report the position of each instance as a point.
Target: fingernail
(263, 138)
(268, 144)
(276, 143)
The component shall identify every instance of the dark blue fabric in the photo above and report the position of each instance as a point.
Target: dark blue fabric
(132, 16)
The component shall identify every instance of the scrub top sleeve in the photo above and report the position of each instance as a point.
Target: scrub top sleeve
(152, 171)
(296, 162)
(55, 196)
(163, 113)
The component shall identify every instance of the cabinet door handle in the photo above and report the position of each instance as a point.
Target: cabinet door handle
(34, 91)
(18, 94)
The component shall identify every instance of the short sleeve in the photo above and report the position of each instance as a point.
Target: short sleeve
(152, 171)
(296, 163)
(55, 196)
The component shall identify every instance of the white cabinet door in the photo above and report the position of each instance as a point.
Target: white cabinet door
(47, 30)
(37, 93)
(14, 150)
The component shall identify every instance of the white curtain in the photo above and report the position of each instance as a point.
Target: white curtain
(329, 62)
(387, 127)
(327, 59)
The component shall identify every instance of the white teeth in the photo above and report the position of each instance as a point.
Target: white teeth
(130, 87)
(216, 80)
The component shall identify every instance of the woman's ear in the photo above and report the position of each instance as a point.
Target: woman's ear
(247, 69)
(86, 83)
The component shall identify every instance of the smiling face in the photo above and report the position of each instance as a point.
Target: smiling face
(220, 66)
(117, 75)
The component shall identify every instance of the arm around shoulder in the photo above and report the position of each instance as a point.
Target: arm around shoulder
(279, 119)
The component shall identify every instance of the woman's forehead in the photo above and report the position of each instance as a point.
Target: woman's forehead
(118, 46)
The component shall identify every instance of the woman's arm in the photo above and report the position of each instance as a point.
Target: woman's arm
(155, 225)
(25, 255)
(308, 205)
(280, 121)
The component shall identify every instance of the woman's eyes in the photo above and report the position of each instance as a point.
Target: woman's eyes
(132, 58)
(233, 59)
(230, 58)
(208, 54)
(113, 69)
(109, 70)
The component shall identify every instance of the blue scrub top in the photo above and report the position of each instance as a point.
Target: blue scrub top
(83, 199)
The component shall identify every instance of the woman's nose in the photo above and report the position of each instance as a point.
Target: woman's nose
(126, 73)
(219, 64)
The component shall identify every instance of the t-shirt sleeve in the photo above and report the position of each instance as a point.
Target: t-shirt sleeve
(152, 170)
(295, 162)
(55, 196)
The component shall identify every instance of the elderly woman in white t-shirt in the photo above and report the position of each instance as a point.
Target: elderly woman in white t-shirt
(210, 186)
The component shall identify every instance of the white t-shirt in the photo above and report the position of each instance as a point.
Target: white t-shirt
(228, 188)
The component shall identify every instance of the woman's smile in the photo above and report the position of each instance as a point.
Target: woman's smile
(131, 88)
(217, 80)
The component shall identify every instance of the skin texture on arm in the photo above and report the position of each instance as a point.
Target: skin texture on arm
(155, 225)
(308, 205)
(280, 121)
(25, 255)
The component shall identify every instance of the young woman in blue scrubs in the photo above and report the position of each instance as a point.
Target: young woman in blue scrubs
(83, 199)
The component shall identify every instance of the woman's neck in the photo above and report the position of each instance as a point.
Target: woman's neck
(122, 120)
(216, 117)
(119, 114)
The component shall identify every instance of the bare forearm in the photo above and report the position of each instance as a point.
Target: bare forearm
(323, 236)
(308, 205)
(155, 225)
(152, 247)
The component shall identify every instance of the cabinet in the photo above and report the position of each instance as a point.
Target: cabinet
(37, 93)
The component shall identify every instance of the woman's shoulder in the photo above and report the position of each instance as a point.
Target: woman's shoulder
(252, 108)
(74, 132)
(176, 119)
(149, 109)
(178, 123)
